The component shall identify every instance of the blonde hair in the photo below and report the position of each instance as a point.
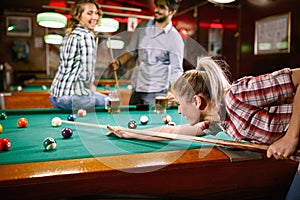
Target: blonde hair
(208, 79)
(77, 11)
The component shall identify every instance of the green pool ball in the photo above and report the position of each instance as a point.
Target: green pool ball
(3, 116)
(49, 143)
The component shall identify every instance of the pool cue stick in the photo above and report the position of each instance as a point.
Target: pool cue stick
(115, 71)
(85, 124)
(173, 136)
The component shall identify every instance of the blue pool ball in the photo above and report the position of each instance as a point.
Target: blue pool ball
(67, 132)
(49, 143)
(132, 124)
(71, 117)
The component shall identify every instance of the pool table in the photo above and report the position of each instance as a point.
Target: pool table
(48, 81)
(37, 96)
(91, 165)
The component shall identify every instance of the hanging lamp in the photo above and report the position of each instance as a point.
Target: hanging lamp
(221, 1)
(53, 39)
(51, 20)
(107, 25)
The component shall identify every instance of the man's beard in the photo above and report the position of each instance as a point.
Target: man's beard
(160, 19)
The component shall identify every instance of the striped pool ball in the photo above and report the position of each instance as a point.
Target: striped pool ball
(81, 112)
(144, 119)
(49, 143)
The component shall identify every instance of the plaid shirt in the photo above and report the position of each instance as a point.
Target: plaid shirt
(77, 64)
(259, 108)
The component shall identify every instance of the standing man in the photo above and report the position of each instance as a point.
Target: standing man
(159, 50)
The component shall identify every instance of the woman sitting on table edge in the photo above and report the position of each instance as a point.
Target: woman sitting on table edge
(262, 109)
(73, 87)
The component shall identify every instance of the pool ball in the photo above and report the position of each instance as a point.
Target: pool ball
(132, 124)
(1, 128)
(19, 88)
(22, 122)
(44, 87)
(171, 124)
(167, 119)
(5, 144)
(129, 87)
(71, 117)
(3, 116)
(107, 86)
(81, 112)
(56, 121)
(49, 143)
(66, 132)
(144, 120)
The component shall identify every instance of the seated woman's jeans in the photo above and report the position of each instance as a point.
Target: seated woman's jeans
(77, 102)
(294, 192)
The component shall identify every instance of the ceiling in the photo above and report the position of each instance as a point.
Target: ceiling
(146, 6)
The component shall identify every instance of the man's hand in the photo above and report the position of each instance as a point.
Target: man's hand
(114, 65)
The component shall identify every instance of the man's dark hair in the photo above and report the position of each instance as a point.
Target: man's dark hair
(172, 4)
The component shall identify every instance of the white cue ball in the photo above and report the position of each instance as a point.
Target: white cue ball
(56, 121)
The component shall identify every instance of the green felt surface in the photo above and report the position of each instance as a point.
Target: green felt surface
(44, 88)
(27, 143)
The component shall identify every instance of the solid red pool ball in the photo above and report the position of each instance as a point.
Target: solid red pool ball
(22, 122)
(5, 144)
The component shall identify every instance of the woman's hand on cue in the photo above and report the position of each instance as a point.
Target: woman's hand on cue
(115, 130)
(114, 64)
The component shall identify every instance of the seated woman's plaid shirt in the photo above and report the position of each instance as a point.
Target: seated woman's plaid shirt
(77, 64)
(259, 109)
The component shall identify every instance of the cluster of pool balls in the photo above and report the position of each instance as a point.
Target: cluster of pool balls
(167, 119)
(49, 143)
(5, 143)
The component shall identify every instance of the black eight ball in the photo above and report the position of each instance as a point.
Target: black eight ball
(132, 124)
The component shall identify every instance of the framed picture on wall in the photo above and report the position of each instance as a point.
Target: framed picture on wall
(273, 34)
(18, 26)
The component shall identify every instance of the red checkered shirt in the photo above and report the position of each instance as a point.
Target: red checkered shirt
(259, 109)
